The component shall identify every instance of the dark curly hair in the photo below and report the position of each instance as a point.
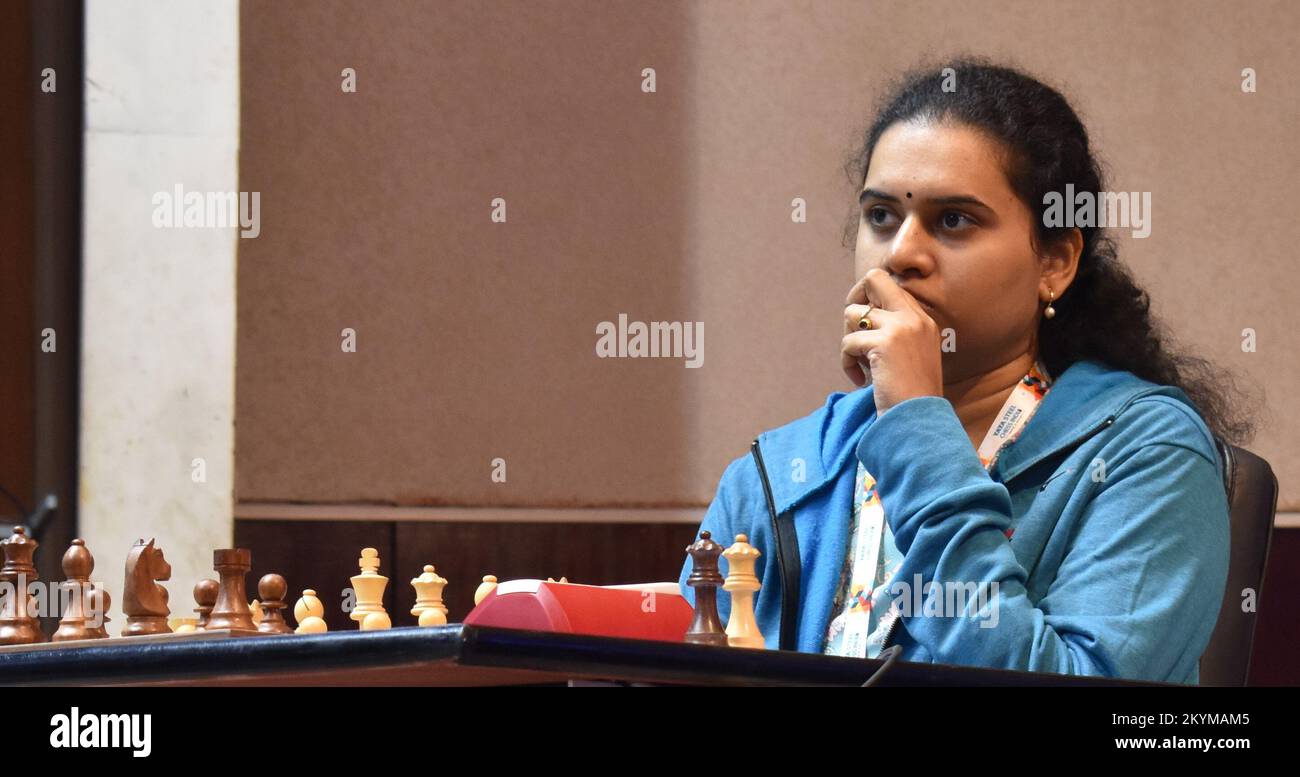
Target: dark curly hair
(1104, 315)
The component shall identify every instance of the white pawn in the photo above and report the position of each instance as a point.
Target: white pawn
(429, 608)
(742, 627)
(310, 614)
(488, 585)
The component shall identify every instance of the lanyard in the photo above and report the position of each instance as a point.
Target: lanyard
(1015, 413)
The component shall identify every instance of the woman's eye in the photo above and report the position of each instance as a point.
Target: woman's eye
(878, 216)
(954, 220)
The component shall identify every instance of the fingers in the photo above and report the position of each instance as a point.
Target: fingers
(857, 376)
(858, 294)
(879, 288)
(867, 289)
(893, 312)
(882, 290)
(855, 350)
(854, 313)
(858, 345)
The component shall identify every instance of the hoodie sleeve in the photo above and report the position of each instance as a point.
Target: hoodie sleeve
(1135, 596)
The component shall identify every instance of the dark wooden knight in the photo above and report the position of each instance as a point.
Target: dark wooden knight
(145, 602)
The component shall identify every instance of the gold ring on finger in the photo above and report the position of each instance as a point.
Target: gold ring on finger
(865, 321)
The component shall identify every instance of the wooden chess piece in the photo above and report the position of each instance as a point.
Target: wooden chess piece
(205, 596)
(706, 626)
(310, 614)
(742, 628)
(255, 612)
(75, 591)
(272, 589)
(488, 585)
(231, 608)
(99, 602)
(429, 609)
(18, 624)
(369, 587)
(145, 602)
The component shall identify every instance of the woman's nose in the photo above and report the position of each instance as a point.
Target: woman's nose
(911, 252)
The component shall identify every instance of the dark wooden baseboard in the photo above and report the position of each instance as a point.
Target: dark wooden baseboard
(322, 555)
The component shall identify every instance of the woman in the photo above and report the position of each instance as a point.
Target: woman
(1030, 480)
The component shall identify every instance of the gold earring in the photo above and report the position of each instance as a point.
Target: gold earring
(1050, 311)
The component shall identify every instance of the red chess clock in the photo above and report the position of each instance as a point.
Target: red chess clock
(652, 611)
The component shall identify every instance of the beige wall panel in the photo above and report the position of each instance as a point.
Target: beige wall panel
(477, 340)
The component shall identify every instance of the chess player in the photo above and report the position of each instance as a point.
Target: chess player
(1023, 434)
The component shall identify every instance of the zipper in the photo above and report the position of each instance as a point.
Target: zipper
(771, 505)
(771, 511)
(1081, 439)
(889, 635)
(776, 533)
(767, 486)
(1110, 420)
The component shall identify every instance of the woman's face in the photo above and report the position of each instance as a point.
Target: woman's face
(940, 216)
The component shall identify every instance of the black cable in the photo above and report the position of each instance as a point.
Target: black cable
(22, 509)
(36, 523)
(890, 654)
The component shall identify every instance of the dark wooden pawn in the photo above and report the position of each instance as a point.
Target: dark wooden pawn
(98, 603)
(205, 596)
(75, 592)
(272, 588)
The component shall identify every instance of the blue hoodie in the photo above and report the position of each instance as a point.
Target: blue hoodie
(1104, 525)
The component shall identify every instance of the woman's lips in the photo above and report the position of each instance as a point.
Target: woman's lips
(925, 304)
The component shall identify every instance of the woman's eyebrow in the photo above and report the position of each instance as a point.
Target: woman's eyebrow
(956, 199)
(862, 198)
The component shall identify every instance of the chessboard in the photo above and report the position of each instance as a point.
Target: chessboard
(82, 604)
